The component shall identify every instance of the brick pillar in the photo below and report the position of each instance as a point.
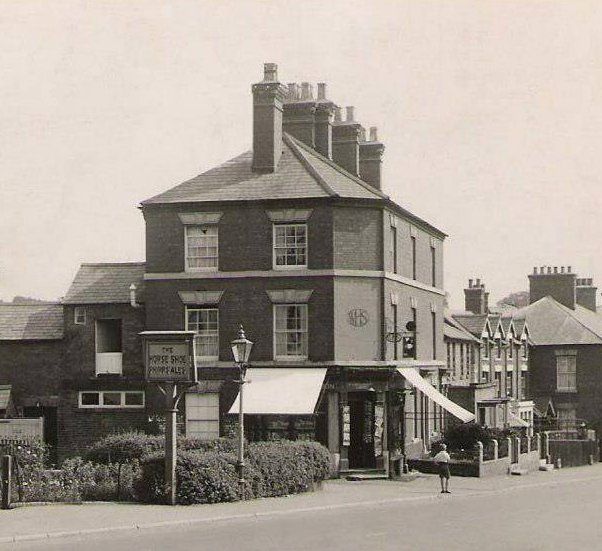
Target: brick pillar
(480, 450)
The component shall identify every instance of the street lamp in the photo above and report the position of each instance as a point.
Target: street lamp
(241, 350)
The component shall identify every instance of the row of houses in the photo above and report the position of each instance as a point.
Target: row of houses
(340, 289)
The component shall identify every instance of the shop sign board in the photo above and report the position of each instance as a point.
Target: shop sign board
(169, 357)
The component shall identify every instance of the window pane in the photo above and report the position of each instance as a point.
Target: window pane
(290, 244)
(202, 246)
(111, 398)
(90, 398)
(134, 398)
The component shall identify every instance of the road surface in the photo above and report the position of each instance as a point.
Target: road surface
(539, 515)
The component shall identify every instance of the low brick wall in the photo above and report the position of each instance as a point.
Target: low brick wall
(457, 468)
(574, 453)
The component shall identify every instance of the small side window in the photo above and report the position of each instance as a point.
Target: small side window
(79, 315)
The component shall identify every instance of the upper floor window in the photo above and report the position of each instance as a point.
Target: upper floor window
(510, 347)
(290, 245)
(485, 348)
(413, 240)
(393, 251)
(566, 373)
(433, 267)
(109, 351)
(434, 332)
(525, 347)
(79, 315)
(201, 247)
(290, 331)
(205, 322)
(409, 337)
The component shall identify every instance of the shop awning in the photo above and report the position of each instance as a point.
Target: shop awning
(291, 391)
(515, 421)
(415, 379)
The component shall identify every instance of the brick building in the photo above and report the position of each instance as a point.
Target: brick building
(31, 351)
(566, 352)
(340, 288)
(495, 382)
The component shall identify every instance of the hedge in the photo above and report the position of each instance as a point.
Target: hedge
(271, 469)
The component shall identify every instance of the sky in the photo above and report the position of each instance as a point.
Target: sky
(490, 111)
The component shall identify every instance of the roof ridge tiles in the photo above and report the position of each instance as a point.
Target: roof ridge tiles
(292, 143)
(337, 167)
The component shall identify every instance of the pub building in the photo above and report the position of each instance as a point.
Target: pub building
(339, 288)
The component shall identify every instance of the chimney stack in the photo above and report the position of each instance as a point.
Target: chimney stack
(476, 299)
(371, 153)
(560, 285)
(586, 293)
(268, 98)
(345, 142)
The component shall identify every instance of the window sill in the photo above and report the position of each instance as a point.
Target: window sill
(290, 358)
(200, 270)
(285, 268)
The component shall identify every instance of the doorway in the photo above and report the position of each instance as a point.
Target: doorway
(362, 417)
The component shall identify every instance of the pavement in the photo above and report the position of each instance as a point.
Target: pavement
(49, 522)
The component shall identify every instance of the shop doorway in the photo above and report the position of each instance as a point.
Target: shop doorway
(362, 421)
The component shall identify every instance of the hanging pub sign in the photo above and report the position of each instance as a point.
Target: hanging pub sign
(169, 356)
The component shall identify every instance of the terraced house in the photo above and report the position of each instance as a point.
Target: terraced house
(340, 288)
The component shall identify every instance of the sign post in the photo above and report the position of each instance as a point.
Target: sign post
(169, 360)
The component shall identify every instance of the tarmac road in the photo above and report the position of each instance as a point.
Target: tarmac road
(544, 513)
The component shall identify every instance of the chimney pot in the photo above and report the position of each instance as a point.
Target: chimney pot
(562, 269)
(549, 269)
(555, 269)
(535, 269)
(542, 270)
(590, 281)
(470, 283)
(569, 269)
(321, 90)
(373, 134)
(292, 90)
(306, 91)
(349, 111)
(478, 282)
(337, 114)
(362, 134)
(270, 72)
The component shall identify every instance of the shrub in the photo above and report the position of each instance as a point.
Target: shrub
(202, 477)
(288, 467)
(221, 445)
(99, 482)
(123, 447)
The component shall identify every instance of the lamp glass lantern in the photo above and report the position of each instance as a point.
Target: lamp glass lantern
(241, 347)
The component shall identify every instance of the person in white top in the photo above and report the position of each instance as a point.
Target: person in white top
(442, 459)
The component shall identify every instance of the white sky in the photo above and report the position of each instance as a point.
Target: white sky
(490, 111)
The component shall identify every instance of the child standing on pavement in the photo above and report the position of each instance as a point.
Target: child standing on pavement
(442, 459)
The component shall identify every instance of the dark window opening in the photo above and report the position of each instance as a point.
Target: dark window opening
(108, 336)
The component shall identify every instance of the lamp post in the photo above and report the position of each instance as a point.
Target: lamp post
(241, 350)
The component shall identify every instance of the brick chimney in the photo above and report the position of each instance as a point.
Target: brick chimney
(324, 117)
(299, 113)
(476, 299)
(554, 282)
(268, 97)
(586, 293)
(345, 141)
(371, 153)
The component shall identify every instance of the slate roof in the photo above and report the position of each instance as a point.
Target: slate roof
(31, 321)
(473, 323)
(106, 283)
(551, 323)
(4, 396)
(453, 330)
(302, 173)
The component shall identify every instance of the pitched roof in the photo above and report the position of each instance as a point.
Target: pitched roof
(453, 330)
(473, 323)
(106, 283)
(4, 396)
(31, 322)
(302, 173)
(551, 323)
